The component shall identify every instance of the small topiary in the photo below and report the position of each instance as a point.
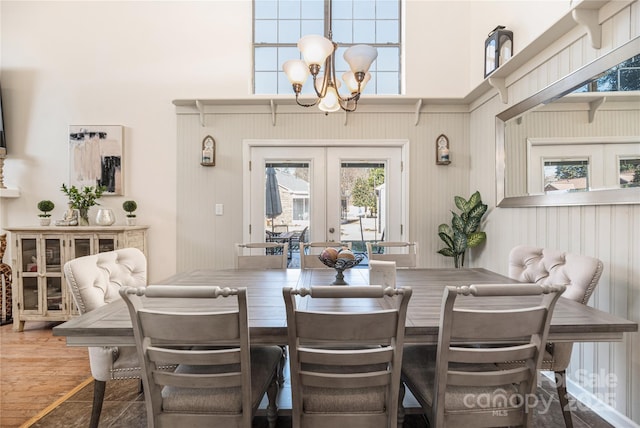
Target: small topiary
(45, 206)
(130, 207)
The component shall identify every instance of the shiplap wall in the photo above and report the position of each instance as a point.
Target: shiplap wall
(611, 233)
(206, 240)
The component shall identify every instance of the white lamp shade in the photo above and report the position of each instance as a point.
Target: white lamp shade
(360, 57)
(320, 81)
(351, 82)
(296, 71)
(315, 49)
(330, 101)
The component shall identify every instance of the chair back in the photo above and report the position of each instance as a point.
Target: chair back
(382, 272)
(95, 280)
(405, 254)
(545, 266)
(212, 382)
(309, 252)
(472, 373)
(345, 365)
(579, 273)
(262, 255)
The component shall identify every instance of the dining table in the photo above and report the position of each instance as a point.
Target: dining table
(110, 325)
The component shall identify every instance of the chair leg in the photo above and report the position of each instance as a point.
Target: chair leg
(561, 386)
(401, 394)
(99, 387)
(281, 365)
(272, 408)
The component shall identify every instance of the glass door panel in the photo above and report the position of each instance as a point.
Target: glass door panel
(52, 254)
(82, 247)
(29, 255)
(30, 294)
(106, 244)
(54, 294)
(362, 207)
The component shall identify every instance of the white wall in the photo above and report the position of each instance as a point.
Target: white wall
(108, 63)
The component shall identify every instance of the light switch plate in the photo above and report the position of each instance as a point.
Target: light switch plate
(219, 209)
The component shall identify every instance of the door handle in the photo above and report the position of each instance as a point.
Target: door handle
(331, 230)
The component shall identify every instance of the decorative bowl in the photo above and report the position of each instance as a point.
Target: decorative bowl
(340, 265)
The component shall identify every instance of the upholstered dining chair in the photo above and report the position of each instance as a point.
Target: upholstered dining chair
(218, 379)
(95, 281)
(382, 272)
(262, 255)
(345, 366)
(309, 252)
(405, 254)
(580, 274)
(463, 386)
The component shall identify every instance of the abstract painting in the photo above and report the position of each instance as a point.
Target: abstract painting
(95, 157)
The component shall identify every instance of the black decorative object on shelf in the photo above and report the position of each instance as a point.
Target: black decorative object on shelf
(498, 48)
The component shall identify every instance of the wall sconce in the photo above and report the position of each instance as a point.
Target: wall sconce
(208, 151)
(498, 48)
(442, 150)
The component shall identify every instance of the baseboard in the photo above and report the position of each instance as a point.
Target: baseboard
(599, 407)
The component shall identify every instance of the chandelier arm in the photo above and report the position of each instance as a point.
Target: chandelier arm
(306, 105)
(344, 104)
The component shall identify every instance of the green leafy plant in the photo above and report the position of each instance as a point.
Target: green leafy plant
(130, 207)
(85, 198)
(463, 232)
(45, 206)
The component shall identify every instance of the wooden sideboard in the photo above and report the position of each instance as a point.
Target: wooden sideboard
(39, 253)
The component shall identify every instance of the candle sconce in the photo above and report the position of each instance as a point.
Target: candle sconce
(208, 151)
(442, 150)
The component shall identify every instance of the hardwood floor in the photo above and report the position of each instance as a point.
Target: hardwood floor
(36, 369)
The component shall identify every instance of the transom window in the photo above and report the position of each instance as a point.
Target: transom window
(278, 24)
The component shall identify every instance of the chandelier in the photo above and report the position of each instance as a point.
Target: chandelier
(319, 51)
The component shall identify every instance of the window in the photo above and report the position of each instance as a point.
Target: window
(278, 24)
(563, 176)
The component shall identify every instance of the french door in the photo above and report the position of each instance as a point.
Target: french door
(330, 190)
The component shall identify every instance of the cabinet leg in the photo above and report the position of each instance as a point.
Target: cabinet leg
(18, 325)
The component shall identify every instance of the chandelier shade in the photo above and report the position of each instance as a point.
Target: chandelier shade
(319, 55)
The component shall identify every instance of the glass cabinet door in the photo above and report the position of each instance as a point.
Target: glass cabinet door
(53, 255)
(82, 246)
(29, 256)
(54, 294)
(30, 294)
(106, 244)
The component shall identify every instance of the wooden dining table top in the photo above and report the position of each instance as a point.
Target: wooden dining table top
(110, 325)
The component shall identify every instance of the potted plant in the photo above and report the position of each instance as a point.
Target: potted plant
(83, 199)
(46, 207)
(463, 232)
(130, 207)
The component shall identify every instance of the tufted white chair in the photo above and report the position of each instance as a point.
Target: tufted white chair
(94, 281)
(580, 274)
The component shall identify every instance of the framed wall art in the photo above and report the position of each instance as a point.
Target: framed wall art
(96, 157)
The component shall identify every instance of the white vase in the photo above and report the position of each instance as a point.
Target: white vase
(131, 221)
(105, 217)
(45, 221)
